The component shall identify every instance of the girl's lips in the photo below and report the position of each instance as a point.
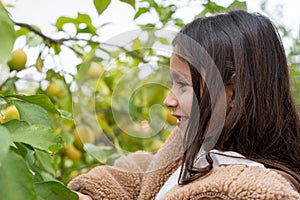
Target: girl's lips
(180, 119)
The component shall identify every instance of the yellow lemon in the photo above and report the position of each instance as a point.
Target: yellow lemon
(9, 113)
(95, 70)
(54, 90)
(100, 116)
(83, 134)
(18, 60)
(156, 145)
(72, 153)
(170, 118)
(57, 130)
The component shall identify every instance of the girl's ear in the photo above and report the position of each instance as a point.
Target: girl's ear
(230, 92)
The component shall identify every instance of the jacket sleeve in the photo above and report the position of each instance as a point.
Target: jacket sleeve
(236, 182)
(124, 180)
(121, 181)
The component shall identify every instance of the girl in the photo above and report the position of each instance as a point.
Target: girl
(241, 131)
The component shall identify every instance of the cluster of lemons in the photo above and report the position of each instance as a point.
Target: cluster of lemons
(82, 134)
(17, 62)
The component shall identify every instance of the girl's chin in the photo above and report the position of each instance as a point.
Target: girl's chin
(182, 124)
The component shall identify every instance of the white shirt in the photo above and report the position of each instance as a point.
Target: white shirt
(218, 159)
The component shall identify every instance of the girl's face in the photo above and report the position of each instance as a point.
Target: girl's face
(180, 97)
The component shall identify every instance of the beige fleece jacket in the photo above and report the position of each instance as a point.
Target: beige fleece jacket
(140, 176)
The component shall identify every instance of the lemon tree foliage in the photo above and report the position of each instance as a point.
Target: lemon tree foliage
(59, 124)
(7, 34)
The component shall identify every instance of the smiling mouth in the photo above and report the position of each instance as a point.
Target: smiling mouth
(181, 119)
(178, 121)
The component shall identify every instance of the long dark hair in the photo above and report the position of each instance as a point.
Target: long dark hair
(263, 123)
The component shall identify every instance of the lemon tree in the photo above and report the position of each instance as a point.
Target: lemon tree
(27, 139)
(56, 124)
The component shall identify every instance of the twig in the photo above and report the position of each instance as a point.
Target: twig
(61, 41)
(45, 37)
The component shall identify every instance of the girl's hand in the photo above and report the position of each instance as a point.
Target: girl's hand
(83, 196)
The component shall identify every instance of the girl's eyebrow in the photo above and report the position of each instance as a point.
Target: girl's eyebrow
(181, 76)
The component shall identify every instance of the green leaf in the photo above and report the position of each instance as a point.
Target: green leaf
(10, 86)
(146, 26)
(65, 114)
(179, 22)
(46, 161)
(237, 5)
(16, 181)
(136, 44)
(29, 158)
(33, 40)
(61, 21)
(130, 2)
(7, 35)
(36, 136)
(3, 102)
(56, 48)
(85, 19)
(163, 40)
(45, 102)
(101, 5)
(32, 113)
(39, 63)
(211, 7)
(67, 137)
(4, 143)
(53, 190)
(165, 13)
(140, 12)
(82, 19)
(22, 31)
(99, 153)
(79, 48)
(25, 151)
(45, 176)
(38, 99)
(5, 74)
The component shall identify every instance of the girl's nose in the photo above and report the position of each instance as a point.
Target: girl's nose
(171, 101)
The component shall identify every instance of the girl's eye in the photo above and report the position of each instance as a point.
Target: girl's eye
(182, 84)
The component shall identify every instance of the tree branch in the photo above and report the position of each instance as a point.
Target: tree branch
(39, 33)
(62, 41)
